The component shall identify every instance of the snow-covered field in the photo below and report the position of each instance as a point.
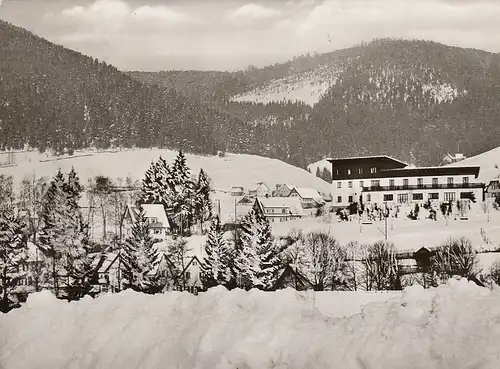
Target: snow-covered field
(405, 233)
(225, 172)
(453, 326)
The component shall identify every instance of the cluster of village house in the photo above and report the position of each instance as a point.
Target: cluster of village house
(370, 179)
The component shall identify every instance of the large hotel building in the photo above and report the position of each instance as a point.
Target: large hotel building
(382, 179)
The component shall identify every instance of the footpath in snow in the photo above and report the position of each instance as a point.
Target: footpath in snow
(454, 326)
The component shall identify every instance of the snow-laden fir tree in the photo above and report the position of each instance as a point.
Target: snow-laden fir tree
(64, 235)
(202, 204)
(151, 190)
(182, 204)
(138, 256)
(257, 259)
(13, 257)
(215, 268)
(52, 240)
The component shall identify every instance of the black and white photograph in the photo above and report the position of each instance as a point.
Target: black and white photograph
(249, 184)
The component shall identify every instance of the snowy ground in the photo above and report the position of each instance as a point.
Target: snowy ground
(453, 326)
(225, 172)
(405, 233)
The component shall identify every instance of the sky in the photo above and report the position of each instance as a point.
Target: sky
(230, 35)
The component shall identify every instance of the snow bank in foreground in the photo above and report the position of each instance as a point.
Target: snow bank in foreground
(453, 326)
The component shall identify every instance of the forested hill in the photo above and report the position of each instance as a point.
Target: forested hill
(415, 100)
(55, 98)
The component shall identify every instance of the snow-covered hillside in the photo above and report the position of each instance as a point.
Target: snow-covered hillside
(489, 162)
(452, 326)
(307, 87)
(225, 172)
(323, 163)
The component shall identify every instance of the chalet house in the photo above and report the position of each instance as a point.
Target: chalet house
(237, 191)
(291, 277)
(260, 191)
(450, 159)
(108, 273)
(384, 180)
(189, 279)
(280, 209)
(156, 216)
(309, 197)
(492, 190)
(283, 190)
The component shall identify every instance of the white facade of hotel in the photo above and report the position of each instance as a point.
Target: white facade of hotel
(403, 190)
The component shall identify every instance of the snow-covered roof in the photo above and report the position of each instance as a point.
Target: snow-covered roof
(308, 193)
(293, 204)
(156, 211)
(366, 157)
(110, 258)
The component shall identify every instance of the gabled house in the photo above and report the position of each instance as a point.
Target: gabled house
(492, 190)
(262, 190)
(280, 209)
(291, 277)
(283, 190)
(108, 273)
(189, 279)
(159, 225)
(237, 191)
(450, 159)
(309, 197)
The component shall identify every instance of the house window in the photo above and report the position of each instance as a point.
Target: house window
(435, 182)
(350, 199)
(403, 198)
(349, 184)
(418, 196)
(188, 275)
(369, 197)
(373, 170)
(339, 184)
(450, 181)
(348, 172)
(194, 263)
(336, 172)
(465, 195)
(339, 198)
(420, 182)
(449, 196)
(157, 231)
(388, 197)
(283, 211)
(360, 170)
(361, 184)
(391, 183)
(405, 183)
(465, 181)
(375, 183)
(434, 196)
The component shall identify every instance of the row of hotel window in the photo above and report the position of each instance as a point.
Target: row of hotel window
(420, 182)
(360, 171)
(404, 198)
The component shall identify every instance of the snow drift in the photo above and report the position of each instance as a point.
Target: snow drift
(454, 326)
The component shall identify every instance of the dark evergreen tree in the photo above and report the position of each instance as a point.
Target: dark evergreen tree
(215, 268)
(13, 257)
(182, 206)
(202, 203)
(151, 192)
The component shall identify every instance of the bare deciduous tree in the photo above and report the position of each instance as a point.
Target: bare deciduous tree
(456, 257)
(380, 268)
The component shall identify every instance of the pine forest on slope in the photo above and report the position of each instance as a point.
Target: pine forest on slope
(415, 100)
